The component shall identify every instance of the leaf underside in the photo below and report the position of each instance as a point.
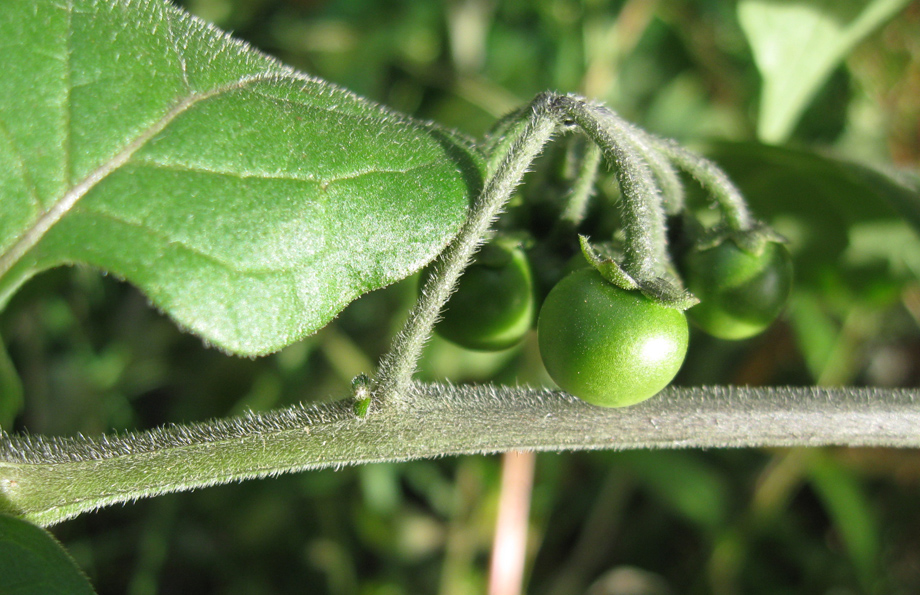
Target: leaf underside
(248, 201)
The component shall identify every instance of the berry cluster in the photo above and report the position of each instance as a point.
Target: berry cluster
(612, 317)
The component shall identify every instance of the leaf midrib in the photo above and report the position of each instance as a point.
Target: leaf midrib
(37, 230)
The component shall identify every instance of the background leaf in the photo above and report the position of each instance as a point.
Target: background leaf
(796, 46)
(846, 505)
(826, 205)
(34, 563)
(248, 201)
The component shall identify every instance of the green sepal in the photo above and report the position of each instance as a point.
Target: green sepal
(606, 265)
(666, 290)
(753, 240)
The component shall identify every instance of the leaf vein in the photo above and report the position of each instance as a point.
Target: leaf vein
(168, 241)
(35, 232)
(382, 113)
(322, 182)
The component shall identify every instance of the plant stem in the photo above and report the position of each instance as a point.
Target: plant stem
(672, 189)
(503, 134)
(711, 177)
(48, 480)
(517, 141)
(577, 201)
(514, 155)
(509, 548)
(646, 255)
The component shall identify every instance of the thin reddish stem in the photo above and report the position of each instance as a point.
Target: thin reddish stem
(506, 576)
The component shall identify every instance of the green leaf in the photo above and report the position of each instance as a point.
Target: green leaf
(248, 201)
(796, 46)
(682, 480)
(33, 563)
(851, 513)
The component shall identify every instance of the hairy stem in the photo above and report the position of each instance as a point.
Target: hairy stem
(672, 189)
(515, 143)
(577, 201)
(527, 138)
(646, 254)
(503, 134)
(726, 195)
(48, 480)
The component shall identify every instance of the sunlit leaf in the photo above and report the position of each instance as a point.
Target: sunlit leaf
(248, 201)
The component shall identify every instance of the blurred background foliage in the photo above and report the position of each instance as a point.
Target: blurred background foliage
(824, 82)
